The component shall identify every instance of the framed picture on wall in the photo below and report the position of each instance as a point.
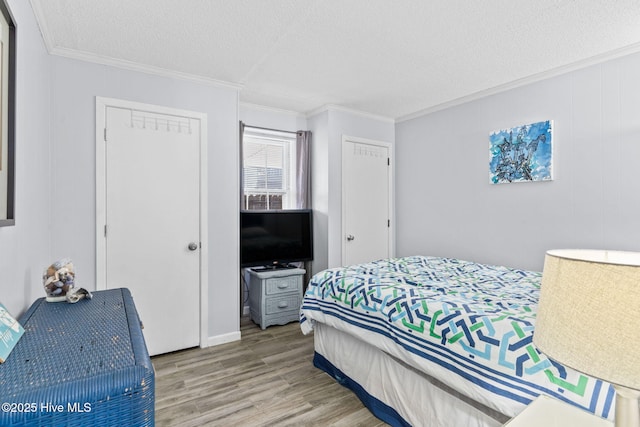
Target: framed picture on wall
(7, 115)
(521, 154)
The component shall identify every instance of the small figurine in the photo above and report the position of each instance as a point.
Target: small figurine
(59, 280)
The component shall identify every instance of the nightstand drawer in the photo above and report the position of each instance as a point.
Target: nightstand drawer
(283, 303)
(278, 285)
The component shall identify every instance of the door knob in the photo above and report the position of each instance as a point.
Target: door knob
(192, 246)
(350, 237)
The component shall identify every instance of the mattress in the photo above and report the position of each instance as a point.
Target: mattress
(466, 324)
(393, 391)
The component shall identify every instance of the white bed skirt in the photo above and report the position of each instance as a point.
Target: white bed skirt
(416, 398)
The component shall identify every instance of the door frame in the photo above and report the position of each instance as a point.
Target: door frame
(102, 104)
(391, 194)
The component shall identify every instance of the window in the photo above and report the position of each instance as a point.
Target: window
(268, 169)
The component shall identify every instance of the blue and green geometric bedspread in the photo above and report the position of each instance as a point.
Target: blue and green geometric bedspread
(474, 320)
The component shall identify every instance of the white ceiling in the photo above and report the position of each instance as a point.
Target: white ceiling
(391, 58)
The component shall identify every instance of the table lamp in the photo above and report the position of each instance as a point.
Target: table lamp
(589, 320)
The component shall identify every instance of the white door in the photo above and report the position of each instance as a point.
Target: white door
(152, 221)
(366, 201)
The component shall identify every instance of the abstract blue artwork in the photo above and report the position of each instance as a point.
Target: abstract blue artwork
(521, 154)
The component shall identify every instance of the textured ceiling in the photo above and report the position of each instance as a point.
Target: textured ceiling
(391, 58)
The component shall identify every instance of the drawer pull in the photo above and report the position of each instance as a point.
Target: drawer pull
(283, 304)
(283, 285)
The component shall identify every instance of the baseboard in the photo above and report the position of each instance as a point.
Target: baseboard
(224, 338)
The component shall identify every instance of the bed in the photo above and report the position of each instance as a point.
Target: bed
(438, 341)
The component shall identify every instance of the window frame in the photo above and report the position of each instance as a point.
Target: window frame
(287, 192)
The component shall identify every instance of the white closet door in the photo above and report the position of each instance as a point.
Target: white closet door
(366, 202)
(152, 166)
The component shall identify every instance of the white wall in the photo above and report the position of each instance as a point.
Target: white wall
(75, 84)
(318, 124)
(328, 127)
(446, 207)
(255, 115)
(24, 248)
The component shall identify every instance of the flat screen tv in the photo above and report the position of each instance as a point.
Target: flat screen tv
(275, 238)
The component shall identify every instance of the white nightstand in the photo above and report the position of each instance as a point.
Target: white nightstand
(549, 412)
(275, 295)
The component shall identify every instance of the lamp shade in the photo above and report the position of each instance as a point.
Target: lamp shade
(589, 313)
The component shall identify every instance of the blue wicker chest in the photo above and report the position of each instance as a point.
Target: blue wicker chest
(82, 364)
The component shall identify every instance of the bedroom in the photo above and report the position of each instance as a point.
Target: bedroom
(593, 201)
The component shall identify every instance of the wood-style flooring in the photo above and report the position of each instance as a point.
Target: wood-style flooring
(265, 379)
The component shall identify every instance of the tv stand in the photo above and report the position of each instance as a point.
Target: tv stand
(275, 295)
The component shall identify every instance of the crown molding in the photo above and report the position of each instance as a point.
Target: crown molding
(142, 68)
(341, 109)
(575, 66)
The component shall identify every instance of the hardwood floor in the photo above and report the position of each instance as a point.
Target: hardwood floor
(266, 379)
